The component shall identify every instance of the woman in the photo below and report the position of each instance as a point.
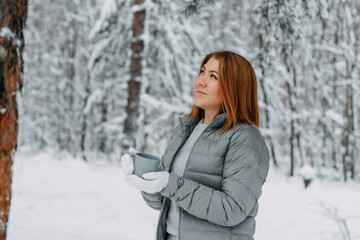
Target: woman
(216, 161)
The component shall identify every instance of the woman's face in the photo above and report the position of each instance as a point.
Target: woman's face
(207, 94)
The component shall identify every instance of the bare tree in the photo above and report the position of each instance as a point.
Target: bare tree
(12, 21)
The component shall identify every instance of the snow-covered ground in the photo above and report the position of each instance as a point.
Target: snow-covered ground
(68, 199)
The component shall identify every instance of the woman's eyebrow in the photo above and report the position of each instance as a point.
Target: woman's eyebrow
(210, 70)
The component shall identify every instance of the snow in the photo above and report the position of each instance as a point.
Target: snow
(70, 199)
(95, 97)
(336, 117)
(6, 33)
(288, 211)
(307, 172)
(138, 8)
(108, 8)
(97, 51)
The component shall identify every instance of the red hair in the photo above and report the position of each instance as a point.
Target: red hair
(238, 90)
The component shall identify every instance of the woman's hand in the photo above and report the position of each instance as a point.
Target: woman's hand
(127, 162)
(153, 181)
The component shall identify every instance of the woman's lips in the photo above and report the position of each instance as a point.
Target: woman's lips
(199, 92)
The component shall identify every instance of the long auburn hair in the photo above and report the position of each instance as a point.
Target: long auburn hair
(238, 90)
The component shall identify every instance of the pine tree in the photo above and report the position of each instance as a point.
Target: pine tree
(12, 21)
(134, 84)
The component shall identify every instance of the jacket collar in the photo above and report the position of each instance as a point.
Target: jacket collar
(218, 122)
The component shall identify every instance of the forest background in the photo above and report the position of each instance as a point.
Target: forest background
(82, 81)
(77, 77)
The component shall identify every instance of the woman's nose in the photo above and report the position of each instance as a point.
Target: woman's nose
(202, 81)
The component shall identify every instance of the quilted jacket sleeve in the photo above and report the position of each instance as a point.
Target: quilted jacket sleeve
(245, 169)
(153, 200)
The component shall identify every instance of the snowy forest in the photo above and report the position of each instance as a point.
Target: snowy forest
(77, 77)
(81, 81)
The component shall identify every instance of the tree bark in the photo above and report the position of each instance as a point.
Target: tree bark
(347, 142)
(292, 122)
(12, 21)
(134, 84)
(292, 133)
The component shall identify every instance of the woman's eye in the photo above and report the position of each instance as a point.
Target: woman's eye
(212, 75)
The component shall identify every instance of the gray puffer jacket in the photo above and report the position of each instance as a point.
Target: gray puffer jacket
(222, 182)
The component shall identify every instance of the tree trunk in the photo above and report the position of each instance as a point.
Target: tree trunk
(84, 119)
(348, 141)
(262, 86)
(348, 156)
(292, 122)
(103, 147)
(134, 84)
(292, 129)
(12, 21)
